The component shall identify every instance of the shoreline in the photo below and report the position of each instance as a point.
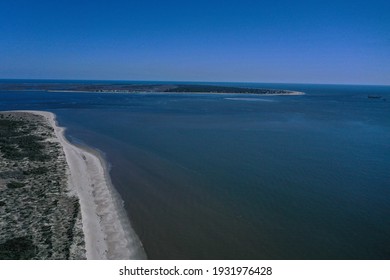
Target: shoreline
(106, 227)
(291, 93)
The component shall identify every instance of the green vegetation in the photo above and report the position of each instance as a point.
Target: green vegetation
(38, 217)
(224, 89)
(72, 221)
(15, 185)
(20, 248)
(16, 142)
(36, 171)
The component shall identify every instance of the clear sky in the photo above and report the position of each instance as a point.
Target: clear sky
(256, 41)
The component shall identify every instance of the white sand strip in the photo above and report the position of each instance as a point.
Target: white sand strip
(107, 230)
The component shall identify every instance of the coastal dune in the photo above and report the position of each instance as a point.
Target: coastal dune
(107, 230)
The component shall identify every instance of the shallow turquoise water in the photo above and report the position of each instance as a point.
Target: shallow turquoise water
(240, 176)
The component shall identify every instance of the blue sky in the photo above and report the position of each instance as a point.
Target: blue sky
(254, 41)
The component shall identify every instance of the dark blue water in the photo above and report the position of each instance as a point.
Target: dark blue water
(242, 176)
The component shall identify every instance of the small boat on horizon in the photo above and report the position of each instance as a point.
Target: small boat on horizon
(374, 96)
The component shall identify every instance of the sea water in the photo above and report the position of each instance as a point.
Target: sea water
(208, 176)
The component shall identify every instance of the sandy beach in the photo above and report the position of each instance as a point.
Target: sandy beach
(107, 230)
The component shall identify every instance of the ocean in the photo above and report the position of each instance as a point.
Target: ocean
(238, 176)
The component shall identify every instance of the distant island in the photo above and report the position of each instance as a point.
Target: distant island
(143, 88)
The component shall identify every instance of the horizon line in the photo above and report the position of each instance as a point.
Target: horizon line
(188, 81)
